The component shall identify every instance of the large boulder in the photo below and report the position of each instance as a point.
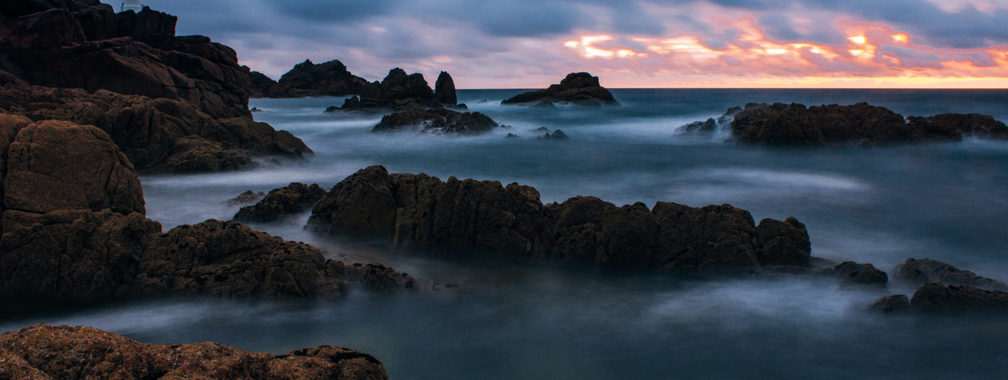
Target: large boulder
(444, 89)
(402, 92)
(281, 202)
(66, 352)
(309, 79)
(437, 121)
(853, 273)
(862, 124)
(936, 297)
(922, 271)
(472, 217)
(576, 88)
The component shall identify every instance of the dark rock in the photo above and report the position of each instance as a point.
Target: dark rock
(129, 75)
(511, 136)
(255, 109)
(65, 352)
(858, 274)
(577, 88)
(292, 199)
(783, 243)
(699, 127)
(936, 297)
(895, 304)
(261, 86)
(863, 124)
(198, 154)
(325, 79)
(921, 271)
(463, 217)
(444, 89)
(541, 130)
(438, 121)
(246, 198)
(556, 135)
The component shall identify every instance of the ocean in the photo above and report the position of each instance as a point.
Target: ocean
(505, 320)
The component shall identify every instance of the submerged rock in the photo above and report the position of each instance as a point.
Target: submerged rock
(309, 79)
(921, 271)
(863, 124)
(555, 135)
(65, 352)
(576, 88)
(936, 297)
(437, 121)
(456, 217)
(859, 274)
(895, 304)
(708, 126)
(281, 202)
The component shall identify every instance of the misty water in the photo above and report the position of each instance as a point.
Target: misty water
(513, 320)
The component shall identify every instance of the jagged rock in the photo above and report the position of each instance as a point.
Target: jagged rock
(921, 271)
(895, 304)
(197, 154)
(577, 88)
(292, 199)
(402, 92)
(444, 89)
(129, 75)
(65, 352)
(555, 135)
(456, 217)
(936, 297)
(708, 126)
(324, 79)
(260, 85)
(858, 274)
(863, 124)
(437, 121)
(247, 198)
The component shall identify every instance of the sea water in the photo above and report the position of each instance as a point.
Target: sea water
(944, 201)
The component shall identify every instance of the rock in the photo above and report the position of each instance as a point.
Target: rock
(261, 86)
(444, 89)
(858, 274)
(921, 271)
(402, 92)
(708, 126)
(577, 88)
(247, 198)
(129, 75)
(324, 79)
(292, 199)
(936, 297)
(197, 154)
(66, 352)
(895, 304)
(437, 121)
(783, 243)
(863, 124)
(471, 217)
(556, 135)
(511, 136)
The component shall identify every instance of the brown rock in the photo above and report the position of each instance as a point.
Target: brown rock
(936, 297)
(247, 198)
(291, 199)
(783, 243)
(261, 86)
(576, 88)
(363, 205)
(65, 352)
(401, 92)
(437, 121)
(922, 271)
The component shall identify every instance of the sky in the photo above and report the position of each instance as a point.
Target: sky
(637, 43)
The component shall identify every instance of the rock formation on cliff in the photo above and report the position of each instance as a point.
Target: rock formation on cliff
(309, 79)
(66, 352)
(577, 88)
(463, 217)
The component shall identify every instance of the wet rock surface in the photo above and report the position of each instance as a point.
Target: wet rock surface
(939, 298)
(581, 89)
(281, 202)
(858, 274)
(66, 352)
(402, 92)
(437, 121)
(921, 271)
(453, 216)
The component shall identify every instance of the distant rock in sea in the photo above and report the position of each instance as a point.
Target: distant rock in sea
(437, 121)
(67, 352)
(402, 92)
(921, 271)
(581, 89)
(470, 217)
(291, 199)
(309, 79)
(861, 124)
(171, 103)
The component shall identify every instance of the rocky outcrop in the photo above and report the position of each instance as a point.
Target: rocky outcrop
(577, 88)
(249, 197)
(921, 271)
(73, 228)
(66, 352)
(936, 297)
(129, 75)
(858, 274)
(463, 217)
(324, 79)
(895, 304)
(402, 92)
(863, 124)
(291, 199)
(260, 85)
(437, 121)
(555, 135)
